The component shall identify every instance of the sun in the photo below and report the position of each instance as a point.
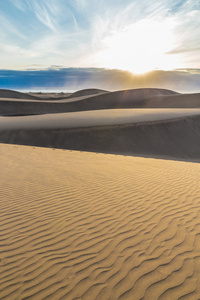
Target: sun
(140, 48)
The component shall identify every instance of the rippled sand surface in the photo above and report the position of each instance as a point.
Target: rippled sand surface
(78, 225)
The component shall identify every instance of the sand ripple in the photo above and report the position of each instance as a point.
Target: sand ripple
(77, 225)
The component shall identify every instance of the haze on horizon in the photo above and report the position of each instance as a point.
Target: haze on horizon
(133, 36)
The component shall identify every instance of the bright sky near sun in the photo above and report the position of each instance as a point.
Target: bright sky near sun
(133, 35)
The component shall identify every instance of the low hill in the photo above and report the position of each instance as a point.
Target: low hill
(137, 98)
(88, 92)
(16, 95)
(175, 139)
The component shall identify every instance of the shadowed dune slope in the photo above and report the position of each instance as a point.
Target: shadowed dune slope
(94, 226)
(177, 138)
(126, 97)
(95, 118)
(88, 92)
(60, 96)
(174, 101)
(49, 95)
(16, 95)
(122, 99)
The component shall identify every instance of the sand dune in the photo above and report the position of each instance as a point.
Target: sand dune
(78, 225)
(143, 98)
(15, 94)
(177, 138)
(60, 96)
(175, 101)
(133, 97)
(46, 99)
(83, 225)
(11, 94)
(94, 118)
(112, 100)
(49, 95)
(87, 92)
(117, 122)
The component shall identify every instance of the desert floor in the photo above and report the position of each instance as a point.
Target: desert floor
(78, 225)
(100, 195)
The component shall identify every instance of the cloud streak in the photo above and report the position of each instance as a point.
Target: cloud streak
(73, 32)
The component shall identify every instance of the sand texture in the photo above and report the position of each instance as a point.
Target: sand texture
(82, 225)
(78, 225)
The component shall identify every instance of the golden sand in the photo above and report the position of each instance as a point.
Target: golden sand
(78, 225)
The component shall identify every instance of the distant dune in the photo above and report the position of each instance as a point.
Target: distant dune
(15, 94)
(77, 225)
(175, 101)
(87, 92)
(150, 122)
(112, 100)
(49, 95)
(133, 97)
(62, 95)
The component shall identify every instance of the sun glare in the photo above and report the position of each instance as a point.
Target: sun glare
(140, 48)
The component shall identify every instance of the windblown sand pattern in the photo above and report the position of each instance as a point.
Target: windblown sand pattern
(77, 225)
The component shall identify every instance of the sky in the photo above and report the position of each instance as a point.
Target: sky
(157, 37)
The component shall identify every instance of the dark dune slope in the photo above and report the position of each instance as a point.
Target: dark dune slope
(137, 94)
(176, 139)
(88, 92)
(62, 95)
(174, 101)
(16, 95)
(121, 99)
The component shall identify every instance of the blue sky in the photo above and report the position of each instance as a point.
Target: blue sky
(72, 79)
(79, 33)
(132, 35)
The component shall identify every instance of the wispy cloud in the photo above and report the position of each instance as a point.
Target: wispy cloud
(187, 32)
(9, 27)
(73, 32)
(21, 5)
(46, 12)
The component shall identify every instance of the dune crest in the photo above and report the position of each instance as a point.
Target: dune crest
(88, 92)
(15, 94)
(79, 101)
(176, 138)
